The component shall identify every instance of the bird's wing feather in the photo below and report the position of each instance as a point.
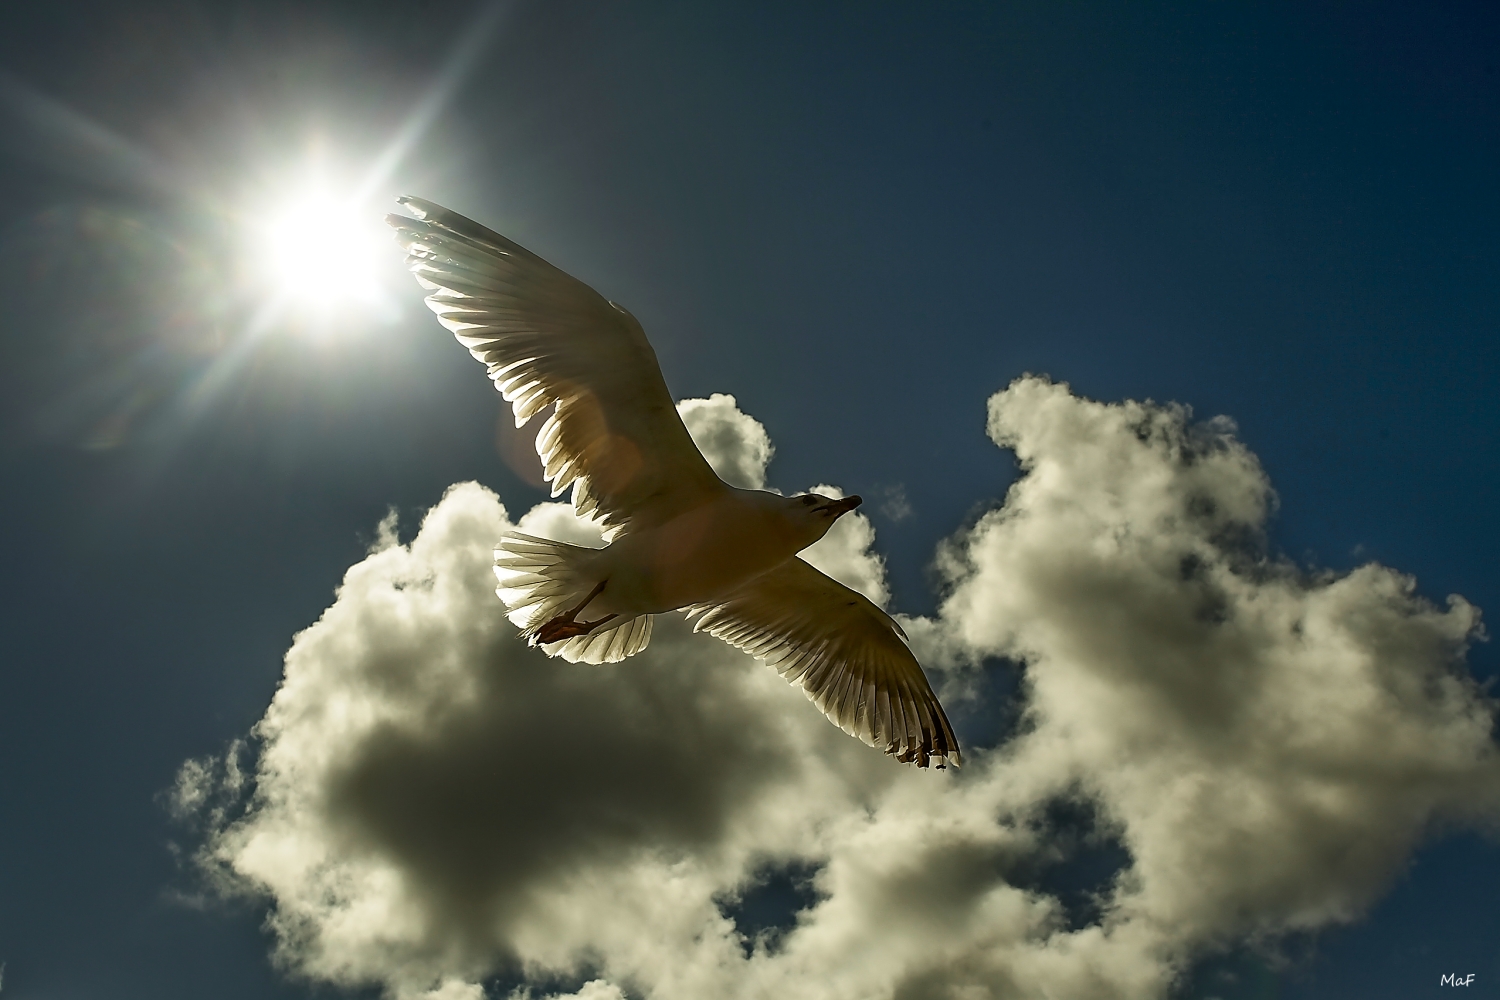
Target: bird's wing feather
(547, 338)
(849, 656)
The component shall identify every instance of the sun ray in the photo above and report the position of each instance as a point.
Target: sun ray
(455, 72)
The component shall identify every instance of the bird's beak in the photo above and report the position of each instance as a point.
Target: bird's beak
(840, 507)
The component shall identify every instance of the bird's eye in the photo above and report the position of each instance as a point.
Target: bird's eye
(809, 499)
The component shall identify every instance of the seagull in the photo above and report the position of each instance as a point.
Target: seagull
(678, 537)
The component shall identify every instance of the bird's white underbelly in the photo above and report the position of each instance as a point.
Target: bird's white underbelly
(696, 557)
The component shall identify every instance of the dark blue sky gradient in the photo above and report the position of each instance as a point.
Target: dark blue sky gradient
(1286, 213)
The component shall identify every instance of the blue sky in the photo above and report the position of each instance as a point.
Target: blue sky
(862, 224)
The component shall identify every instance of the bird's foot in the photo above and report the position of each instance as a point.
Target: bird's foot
(566, 627)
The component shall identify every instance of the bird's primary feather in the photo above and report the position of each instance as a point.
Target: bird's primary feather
(844, 652)
(547, 338)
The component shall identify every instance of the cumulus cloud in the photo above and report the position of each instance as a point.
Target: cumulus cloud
(1270, 743)
(436, 805)
(735, 443)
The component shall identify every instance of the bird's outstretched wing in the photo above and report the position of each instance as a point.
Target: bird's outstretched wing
(843, 651)
(547, 338)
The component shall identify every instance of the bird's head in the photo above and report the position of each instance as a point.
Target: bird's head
(812, 514)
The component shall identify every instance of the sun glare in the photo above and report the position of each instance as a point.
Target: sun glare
(318, 253)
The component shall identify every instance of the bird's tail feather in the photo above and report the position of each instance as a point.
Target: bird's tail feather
(540, 579)
(606, 645)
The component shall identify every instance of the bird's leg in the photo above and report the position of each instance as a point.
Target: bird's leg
(566, 625)
(562, 627)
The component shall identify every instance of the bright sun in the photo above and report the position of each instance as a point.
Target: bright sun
(319, 253)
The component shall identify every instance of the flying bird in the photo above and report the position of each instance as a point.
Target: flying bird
(679, 538)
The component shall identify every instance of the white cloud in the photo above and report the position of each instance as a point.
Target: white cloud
(435, 802)
(735, 443)
(594, 989)
(1270, 744)
(453, 989)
